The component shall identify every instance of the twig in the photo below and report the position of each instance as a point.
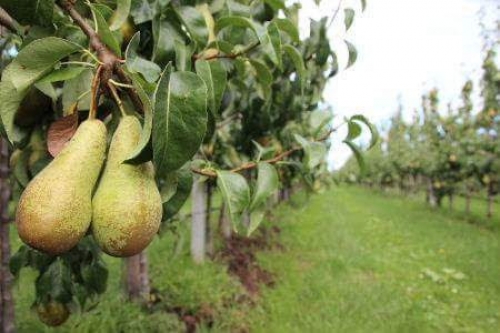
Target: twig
(110, 62)
(227, 121)
(116, 97)
(121, 85)
(94, 93)
(131, 92)
(7, 21)
(335, 14)
(274, 160)
(234, 55)
(78, 63)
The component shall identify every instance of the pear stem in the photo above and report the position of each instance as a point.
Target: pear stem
(122, 85)
(116, 97)
(94, 91)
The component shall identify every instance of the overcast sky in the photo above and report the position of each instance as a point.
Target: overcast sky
(404, 49)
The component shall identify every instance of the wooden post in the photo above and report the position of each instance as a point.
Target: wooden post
(431, 195)
(208, 227)
(198, 221)
(137, 277)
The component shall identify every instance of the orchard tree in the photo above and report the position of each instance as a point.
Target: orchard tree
(110, 107)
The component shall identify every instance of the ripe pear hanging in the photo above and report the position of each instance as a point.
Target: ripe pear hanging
(127, 206)
(55, 210)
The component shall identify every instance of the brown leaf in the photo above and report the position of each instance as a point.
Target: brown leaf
(60, 132)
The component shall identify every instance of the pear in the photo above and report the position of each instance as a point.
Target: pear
(54, 211)
(127, 207)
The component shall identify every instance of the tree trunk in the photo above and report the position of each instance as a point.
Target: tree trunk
(208, 226)
(224, 222)
(467, 201)
(137, 277)
(7, 318)
(198, 221)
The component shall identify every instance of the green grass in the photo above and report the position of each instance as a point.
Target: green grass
(360, 261)
(353, 261)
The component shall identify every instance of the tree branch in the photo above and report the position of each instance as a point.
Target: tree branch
(7, 21)
(110, 62)
(220, 55)
(274, 160)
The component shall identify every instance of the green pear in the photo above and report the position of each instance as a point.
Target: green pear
(55, 209)
(127, 207)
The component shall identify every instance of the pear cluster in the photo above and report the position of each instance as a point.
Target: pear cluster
(59, 206)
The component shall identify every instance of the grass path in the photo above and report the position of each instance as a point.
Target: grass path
(359, 261)
(353, 261)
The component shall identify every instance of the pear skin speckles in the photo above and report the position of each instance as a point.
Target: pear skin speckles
(55, 209)
(127, 208)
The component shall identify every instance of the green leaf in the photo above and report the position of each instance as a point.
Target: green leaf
(62, 74)
(314, 152)
(179, 120)
(236, 195)
(30, 12)
(298, 62)
(105, 33)
(215, 77)
(55, 282)
(21, 169)
(95, 276)
(137, 64)
(184, 183)
(75, 88)
(262, 73)
(348, 17)
(319, 121)
(19, 260)
(142, 153)
(275, 38)
(357, 154)
(38, 58)
(353, 54)
(269, 37)
(10, 100)
(105, 10)
(166, 30)
(363, 4)
(267, 184)
(235, 21)
(371, 127)
(354, 130)
(276, 4)
(195, 24)
(183, 55)
(263, 152)
(287, 26)
(121, 14)
(141, 11)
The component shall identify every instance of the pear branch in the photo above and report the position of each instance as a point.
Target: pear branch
(7, 21)
(274, 160)
(220, 55)
(110, 62)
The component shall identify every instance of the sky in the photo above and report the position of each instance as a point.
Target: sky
(405, 48)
